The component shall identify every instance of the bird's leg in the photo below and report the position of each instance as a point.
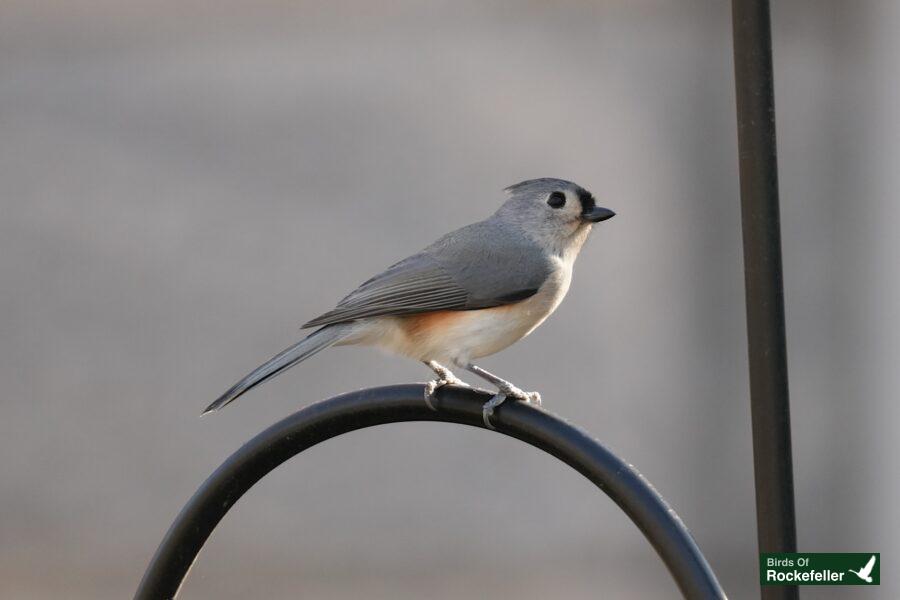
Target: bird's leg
(506, 390)
(444, 377)
(505, 387)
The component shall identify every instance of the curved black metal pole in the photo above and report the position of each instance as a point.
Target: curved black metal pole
(769, 406)
(365, 408)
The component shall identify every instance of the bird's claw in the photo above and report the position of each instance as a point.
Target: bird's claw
(512, 391)
(432, 386)
(487, 411)
(506, 392)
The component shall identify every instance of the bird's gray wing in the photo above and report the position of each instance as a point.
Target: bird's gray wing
(479, 266)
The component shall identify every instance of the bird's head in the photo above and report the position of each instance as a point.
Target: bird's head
(553, 212)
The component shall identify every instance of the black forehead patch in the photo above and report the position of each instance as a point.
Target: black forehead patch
(587, 200)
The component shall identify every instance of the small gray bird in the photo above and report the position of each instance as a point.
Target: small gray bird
(470, 294)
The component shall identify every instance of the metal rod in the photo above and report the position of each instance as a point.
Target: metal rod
(366, 408)
(770, 411)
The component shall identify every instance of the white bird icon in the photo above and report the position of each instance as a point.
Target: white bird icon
(865, 572)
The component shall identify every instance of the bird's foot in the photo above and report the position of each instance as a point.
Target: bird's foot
(487, 411)
(506, 392)
(444, 377)
(511, 391)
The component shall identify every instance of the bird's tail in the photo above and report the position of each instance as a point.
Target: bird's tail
(310, 345)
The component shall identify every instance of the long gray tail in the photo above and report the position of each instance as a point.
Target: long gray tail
(310, 345)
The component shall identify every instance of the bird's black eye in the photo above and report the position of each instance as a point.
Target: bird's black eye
(557, 200)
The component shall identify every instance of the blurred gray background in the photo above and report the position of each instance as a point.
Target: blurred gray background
(183, 183)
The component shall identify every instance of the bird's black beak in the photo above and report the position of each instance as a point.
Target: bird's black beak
(596, 214)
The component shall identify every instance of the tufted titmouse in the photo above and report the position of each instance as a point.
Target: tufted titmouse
(470, 294)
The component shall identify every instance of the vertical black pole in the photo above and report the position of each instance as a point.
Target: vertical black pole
(773, 465)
